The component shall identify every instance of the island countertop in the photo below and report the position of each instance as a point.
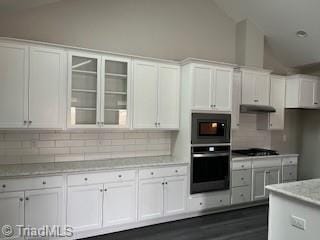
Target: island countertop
(307, 191)
(20, 170)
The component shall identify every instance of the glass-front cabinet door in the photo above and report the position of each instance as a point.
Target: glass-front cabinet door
(115, 96)
(84, 90)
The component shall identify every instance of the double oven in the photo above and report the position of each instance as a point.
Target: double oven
(210, 152)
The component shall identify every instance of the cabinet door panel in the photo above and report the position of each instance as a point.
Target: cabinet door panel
(84, 89)
(119, 204)
(46, 88)
(13, 86)
(258, 184)
(11, 210)
(248, 88)
(316, 94)
(169, 96)
(202, 87)
(44, 207)
(262, 88)
(150, 199)
(306, 92)
(222, 89)
(175, 195)
(236, 100)
(84, 210)
(145, 94)
(277, 100)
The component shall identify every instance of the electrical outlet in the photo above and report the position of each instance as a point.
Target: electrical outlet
(298, 222)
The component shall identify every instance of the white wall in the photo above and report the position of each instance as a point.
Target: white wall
(171, 29)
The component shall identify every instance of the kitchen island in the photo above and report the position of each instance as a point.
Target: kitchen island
(294, 210)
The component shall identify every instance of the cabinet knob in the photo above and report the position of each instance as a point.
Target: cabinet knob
(166, 183)
(4, 186)
(156, 124)
(256, 100)
(315, 103)
(270, 124)
(211, 105)
(176, 171)
(119, 176)
(101, 190)
(44, 182)
(200, 203)
(162, 183)
(25, 122)
(220, 201)
(241, 195)
(214, 105)
(30, 122)
(27, 198)
(105, 190)
(86, 179)
(242, 179)
(238, 124)
(151, 173)
(21, 199)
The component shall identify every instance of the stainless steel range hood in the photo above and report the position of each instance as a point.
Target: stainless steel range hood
(244, 108)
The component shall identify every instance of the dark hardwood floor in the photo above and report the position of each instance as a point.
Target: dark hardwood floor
(244, 224)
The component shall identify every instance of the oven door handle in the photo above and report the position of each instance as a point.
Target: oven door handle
(201, 155)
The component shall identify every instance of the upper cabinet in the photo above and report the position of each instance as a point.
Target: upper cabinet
(255, 87)
(302, 92)
(236, 100)
(98, 91)
(156, 95)
(31, 87)
(212, 88)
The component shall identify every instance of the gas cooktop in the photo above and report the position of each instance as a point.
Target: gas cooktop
(256, 152)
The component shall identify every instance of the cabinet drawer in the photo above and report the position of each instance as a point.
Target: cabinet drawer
(162, 172)
(241, 178)
(289, 173)
(104, 177)
(265, 163)
(289, 161)
(241, 165)
(241, 195)
(31, 183)
(206, 202)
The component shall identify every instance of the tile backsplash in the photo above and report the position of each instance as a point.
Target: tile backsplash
(57, 146)
(247, 136)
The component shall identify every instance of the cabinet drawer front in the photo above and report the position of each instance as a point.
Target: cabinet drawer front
(289, 173)
(241, 195)
(268, 162)
(31, 183)
(241, 178)
(289, 161)
(206, 202)
(241, 165)
(162, 172)
(94, 178)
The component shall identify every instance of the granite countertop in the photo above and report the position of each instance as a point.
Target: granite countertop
(15, 170)
(307, 191)
(240, 157)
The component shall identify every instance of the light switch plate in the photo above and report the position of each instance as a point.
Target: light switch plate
(298, 222)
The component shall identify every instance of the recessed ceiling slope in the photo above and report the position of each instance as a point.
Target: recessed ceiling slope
(280, 21)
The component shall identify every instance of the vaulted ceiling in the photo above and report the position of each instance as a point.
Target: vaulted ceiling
(280, 20)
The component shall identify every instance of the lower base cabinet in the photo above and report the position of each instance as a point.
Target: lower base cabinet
(84, 209)
(241, 195)
(101, 205)
(44, 207)
(162, 197)
(12, 207)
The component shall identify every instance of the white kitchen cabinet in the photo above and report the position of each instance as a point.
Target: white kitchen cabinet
(156, 99)
(47, 88)
(14, 72)
(151, 200)
(11, 210)
(212, 88)
(162, 196)
(255, 87)
(84, 208)
(236, 100)
(44, 207)
(175, 195)
(302, 91)
(261, 177)
(274, 121)
(119, 203)
(32, 87)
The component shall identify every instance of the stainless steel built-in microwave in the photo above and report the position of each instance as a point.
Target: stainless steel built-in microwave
(210, 128)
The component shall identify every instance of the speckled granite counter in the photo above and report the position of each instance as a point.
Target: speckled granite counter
(307, 191)
(16, 170)
(239, 157)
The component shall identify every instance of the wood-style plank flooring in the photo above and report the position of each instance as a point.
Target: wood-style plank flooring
(244, 224)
